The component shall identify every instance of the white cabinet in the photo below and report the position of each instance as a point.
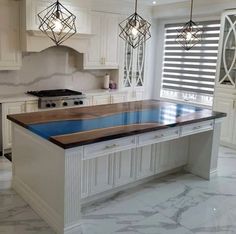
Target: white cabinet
(101, 174)
(31, 106)
(103, 46)
(119, 98)
(10, 55)
(145, 159)
(8, 109)
(101, 100)
(225, 88)
(33, 7)
(124, 167)
(226, 106)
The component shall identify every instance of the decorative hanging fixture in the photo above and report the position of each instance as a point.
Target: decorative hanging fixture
(57, 23)
(135, 30)
(190, 34)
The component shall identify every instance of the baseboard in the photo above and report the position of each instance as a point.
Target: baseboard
(39, 206)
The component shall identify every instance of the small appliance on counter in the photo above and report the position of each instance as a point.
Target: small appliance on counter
(58, 98)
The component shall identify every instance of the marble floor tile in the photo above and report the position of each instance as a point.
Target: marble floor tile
(176, 204)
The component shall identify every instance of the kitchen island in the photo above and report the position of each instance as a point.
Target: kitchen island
(63, 159)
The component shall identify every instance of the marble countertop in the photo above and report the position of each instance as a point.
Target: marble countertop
(17, 98)
(74, 127)
(103, 92)
(26, 97)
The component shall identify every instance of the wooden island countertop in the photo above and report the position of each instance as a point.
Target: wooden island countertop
(80, 126)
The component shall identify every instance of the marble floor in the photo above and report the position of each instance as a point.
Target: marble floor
(177, 204)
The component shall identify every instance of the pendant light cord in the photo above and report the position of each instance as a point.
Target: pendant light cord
(136, 6)
(191, 11)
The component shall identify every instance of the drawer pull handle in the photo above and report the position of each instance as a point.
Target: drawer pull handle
(196, 128)
(111, 146)
(159, 136)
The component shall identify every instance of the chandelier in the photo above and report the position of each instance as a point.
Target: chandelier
(57, 23)
(190, 34)
(135, 30)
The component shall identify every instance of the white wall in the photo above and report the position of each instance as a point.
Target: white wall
(179, 12)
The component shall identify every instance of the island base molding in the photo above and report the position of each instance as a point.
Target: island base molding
(55, 182)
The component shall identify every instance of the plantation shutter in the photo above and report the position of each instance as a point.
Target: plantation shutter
(190, 73)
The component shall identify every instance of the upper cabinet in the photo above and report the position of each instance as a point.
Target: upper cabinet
(226, 74)
(33, 40)
(33, 7)
(103, 46)
(10, 55)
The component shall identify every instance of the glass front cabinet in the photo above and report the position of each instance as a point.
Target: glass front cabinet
(132, 76)
(227, 55)
(225, 88)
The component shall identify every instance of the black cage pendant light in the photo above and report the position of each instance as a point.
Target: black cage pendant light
(190, 34)
(57, 23)
(135, 30)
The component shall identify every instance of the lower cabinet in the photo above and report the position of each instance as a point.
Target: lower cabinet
(227, 106)
(145, 158)
(101, 176)
(124, 167)
(101, 100)
(8, 109)
(114, 170)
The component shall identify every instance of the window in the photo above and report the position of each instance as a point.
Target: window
(190, 75)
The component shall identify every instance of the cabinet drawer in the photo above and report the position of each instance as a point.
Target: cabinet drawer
(108, 147)
(197, 128)
(158, 136)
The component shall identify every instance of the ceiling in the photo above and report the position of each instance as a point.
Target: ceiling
(158, 2)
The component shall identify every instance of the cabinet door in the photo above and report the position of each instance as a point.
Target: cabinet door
(10, 56)
(111, 35)
(164, 162)
(118, 98)
(31, 106)
(124, 167)
(145, 158)
(101, 100)
(103, 46)
(226, 106)
(93, 58)
(101, 174)
(8, 109)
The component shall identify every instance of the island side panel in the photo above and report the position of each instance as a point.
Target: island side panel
(203, 152)
(44, 175)
(72, 192)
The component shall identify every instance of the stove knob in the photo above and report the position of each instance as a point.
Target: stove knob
(81, 102)
(48, 105)
(53, 104)
(76, 103)
(65, 104)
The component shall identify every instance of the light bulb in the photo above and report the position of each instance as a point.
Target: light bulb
(134, 31)
(57, 25)
(188, 36)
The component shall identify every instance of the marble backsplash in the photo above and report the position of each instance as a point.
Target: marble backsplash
(50, 69)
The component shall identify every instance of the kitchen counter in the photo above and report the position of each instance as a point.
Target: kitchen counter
(80, 126)
(17, 98)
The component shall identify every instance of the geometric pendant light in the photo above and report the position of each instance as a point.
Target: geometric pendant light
(190, 34)
(135, 30)
(57, 23)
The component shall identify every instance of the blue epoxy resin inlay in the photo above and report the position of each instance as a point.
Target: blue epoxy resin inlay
(162, 115)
